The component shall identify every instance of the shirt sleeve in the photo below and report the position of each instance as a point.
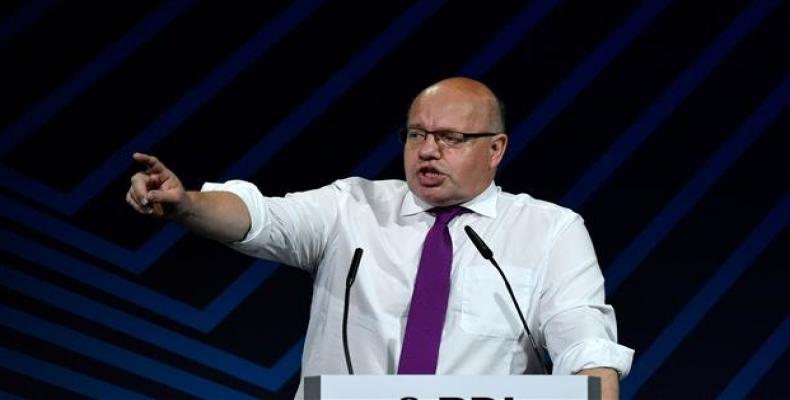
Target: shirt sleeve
(580, 329)
(293, 230)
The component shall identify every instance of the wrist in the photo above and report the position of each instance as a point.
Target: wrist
(185, 209)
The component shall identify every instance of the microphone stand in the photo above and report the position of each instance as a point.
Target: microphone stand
(489, 255)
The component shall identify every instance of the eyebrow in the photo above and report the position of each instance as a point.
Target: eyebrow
(418, 126)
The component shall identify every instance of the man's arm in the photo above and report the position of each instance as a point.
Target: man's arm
(610, 381)
(580, 328)
(221, 216)
(157, 191)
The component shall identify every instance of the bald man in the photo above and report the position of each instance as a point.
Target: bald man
(417, 256)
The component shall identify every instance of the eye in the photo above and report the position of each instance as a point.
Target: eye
(415, 134)
(451, 138)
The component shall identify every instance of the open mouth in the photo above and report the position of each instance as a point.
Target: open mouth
(430, 176)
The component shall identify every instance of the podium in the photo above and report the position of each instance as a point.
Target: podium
(451, 387)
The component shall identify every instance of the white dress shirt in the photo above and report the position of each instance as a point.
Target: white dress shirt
(544, 250)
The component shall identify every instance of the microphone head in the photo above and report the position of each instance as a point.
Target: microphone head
(352, 271)
(479, 243)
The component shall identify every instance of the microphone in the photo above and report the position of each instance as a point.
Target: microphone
(352, 275)
(489, 255)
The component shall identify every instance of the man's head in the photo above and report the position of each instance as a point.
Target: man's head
(443, 174)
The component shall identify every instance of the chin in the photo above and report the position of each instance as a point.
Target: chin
(430, 196)
(436, 196)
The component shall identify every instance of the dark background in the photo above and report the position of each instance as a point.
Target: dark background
(664, 123)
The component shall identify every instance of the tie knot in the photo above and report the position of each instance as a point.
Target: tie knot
(446, 214)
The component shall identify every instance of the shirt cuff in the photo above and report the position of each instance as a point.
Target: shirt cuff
(250, 196)
(594, 353)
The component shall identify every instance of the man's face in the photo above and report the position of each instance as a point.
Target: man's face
(442, 175)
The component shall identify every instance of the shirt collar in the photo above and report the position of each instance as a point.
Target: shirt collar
(483, 204)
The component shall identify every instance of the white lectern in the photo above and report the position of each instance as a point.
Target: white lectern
(451, 387)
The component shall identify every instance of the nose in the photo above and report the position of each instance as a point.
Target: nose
(429, 148)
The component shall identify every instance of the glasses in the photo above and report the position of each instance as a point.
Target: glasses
(449, 138)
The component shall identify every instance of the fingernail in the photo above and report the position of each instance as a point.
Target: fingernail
(144, 201)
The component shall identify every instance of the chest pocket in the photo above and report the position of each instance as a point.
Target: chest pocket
(486, 307)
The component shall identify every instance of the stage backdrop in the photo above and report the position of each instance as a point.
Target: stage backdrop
(664, 123)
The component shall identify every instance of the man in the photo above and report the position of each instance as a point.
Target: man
(454, 142)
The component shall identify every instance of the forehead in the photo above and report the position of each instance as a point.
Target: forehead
(449, 109)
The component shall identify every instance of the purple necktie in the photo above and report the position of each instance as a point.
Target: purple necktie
(420, 351)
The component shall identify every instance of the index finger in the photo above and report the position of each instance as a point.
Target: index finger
(153, 163)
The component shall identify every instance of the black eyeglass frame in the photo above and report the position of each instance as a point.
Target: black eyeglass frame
(441, 135)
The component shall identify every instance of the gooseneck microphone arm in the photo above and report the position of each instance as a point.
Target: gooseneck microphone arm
(352, 274)
(489, 255)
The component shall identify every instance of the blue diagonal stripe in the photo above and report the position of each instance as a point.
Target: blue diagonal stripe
(115, 356)
(95, 277)
(581, 76)
(673, 96)
(69, 203)
(359, 65)
(27, 14)
(132, 261)
(69, 234)
(752, 128)
(253, 277)
(245, 56)
(757, 366)
(362, 63)
(279, 136)
(262, 151)
(31, 188)
(8, 396)
(62, 377)
(50, 105)
(191, 349)
(164, 239)
(141, 296)
(138, 261)
(674, 333)
(478, 65)
(508, 37)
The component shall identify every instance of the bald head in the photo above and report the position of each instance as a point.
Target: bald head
(470, 97)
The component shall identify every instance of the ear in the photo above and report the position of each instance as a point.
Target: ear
(496, 149)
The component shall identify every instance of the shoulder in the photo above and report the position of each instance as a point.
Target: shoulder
(553, 217)
(372, 191)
